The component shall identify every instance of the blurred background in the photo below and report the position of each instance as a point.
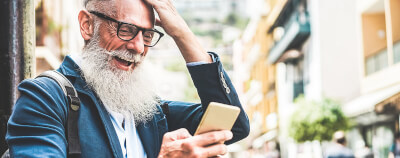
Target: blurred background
(303, 69)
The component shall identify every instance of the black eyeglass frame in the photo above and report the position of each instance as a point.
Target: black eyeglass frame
(120, 23)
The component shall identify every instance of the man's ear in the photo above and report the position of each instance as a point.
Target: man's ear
(86, 24)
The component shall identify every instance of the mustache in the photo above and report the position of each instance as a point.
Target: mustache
(126, 55)
(133, 57)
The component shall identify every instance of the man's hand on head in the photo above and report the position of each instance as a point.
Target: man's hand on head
(176, 27)
(170, 20)
(180, 143)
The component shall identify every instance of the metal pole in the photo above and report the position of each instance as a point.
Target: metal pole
(17, 44)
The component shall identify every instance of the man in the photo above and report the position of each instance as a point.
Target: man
(394, 151)
(339, 149)
(119, 115)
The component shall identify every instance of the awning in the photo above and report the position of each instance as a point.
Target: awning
(367, 102)
(390, 105)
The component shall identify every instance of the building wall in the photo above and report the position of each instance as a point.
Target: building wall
(312, 57)
(264, 74)
(372, 23)
(338, 50)
(260, 88)
(373, 82)
(395, 12)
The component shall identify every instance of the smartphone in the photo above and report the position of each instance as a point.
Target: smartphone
(218, 116)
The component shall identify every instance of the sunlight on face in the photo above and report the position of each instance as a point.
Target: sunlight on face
(127, 92)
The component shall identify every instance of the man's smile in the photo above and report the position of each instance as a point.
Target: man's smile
(122, 63)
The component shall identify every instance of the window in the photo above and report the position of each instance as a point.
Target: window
(396, 52)
(395, 18)
(377, 62)
(381, 42)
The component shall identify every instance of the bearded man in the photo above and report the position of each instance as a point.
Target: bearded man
(120, 115)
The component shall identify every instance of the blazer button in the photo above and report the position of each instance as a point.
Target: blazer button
(228, 90)
(224, 84)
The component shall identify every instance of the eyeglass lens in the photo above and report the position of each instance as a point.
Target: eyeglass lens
(127, 32)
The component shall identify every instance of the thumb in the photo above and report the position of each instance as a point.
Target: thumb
(151, 2)
(158, 22)
(182, 133)
(176, 135)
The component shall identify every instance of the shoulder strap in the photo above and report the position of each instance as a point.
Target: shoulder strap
(74, 147)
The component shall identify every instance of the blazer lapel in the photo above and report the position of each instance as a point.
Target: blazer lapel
(108, 126)
(149, 136)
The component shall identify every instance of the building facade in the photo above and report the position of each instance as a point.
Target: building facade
(376, 110)
(255, 77)
(325, 49)
(315, 53)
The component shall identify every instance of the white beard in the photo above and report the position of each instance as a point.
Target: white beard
(129, 93)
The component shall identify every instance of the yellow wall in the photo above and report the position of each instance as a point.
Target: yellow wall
(265, 74)
(262, 71)
(395, 13)
(371, 24)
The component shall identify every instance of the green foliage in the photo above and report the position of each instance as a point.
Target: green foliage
(316, 120)
(234, 19)
(176, 66)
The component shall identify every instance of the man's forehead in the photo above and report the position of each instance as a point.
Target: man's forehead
(135, 11)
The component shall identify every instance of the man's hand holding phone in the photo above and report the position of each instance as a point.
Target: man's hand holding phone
(180, 143)
(209, 138)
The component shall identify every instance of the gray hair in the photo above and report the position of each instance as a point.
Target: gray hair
(100, 5)
(86, 2)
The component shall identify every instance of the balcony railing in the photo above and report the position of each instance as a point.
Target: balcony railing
(297, 31)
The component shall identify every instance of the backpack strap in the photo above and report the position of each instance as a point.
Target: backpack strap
(74, 147)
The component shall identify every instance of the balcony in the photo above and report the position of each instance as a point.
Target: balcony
(297, 30)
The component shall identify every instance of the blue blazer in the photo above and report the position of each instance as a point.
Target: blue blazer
(37, 125)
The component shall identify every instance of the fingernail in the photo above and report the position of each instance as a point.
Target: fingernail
(229, 134)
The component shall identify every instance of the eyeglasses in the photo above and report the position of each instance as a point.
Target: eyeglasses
(127, 31)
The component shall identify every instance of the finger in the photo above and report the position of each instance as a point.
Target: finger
(155, 3)
(151, 2)
(176, 135)
(183, 133)
(158, 22)
(215, 150)
(214, 137)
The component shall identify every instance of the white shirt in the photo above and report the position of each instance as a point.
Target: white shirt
(128, 136)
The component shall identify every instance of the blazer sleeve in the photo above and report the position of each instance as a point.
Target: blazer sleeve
(36, 126)
(213, 85)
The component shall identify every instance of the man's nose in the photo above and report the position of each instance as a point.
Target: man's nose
(136, 44)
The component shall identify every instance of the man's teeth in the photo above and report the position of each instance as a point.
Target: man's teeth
(124, 61)
(128, 60)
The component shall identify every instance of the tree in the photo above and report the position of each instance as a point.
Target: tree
(316, 120)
